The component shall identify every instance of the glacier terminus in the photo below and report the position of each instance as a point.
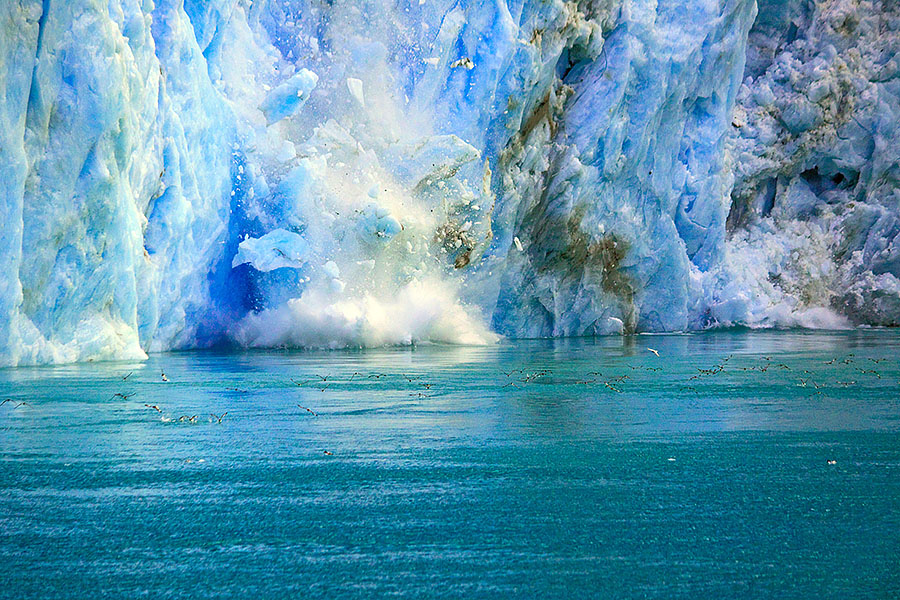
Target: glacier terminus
(309, 173)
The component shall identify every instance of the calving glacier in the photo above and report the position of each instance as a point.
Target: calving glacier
(312, 173)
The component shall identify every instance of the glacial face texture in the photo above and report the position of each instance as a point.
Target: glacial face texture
(120, 159)
(183, 173)
(815, 155)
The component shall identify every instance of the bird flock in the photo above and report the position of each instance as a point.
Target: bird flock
(614, 378)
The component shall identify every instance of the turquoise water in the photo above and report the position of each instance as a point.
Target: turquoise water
(449, 476)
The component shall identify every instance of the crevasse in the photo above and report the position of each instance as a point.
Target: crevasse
(181, 174)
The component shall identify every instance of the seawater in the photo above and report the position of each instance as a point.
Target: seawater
(734, 464)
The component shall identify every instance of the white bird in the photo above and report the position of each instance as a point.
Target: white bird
(656, 352)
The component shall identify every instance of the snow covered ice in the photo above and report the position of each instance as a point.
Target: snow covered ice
(182, 173)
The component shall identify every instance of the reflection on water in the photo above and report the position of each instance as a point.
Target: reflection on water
(530, 468)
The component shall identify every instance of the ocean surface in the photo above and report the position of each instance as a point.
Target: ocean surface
(731, 465)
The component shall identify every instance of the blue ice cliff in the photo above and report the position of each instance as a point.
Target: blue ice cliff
(183, 173)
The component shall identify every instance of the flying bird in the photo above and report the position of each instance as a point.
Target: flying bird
(154, 407)
(16, 404)
(656, 352)
(309, 410)
(218, 418)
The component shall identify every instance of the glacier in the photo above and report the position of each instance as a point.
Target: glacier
(310, 173)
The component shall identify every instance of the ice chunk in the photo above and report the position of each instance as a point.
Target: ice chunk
(289, 97)
(331, 269)
(356, 90)
(376, 225)
(275, 250)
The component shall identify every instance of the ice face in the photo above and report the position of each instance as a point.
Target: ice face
(367, 172)
(815, 152)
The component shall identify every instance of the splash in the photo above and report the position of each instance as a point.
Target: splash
(357, 221)
(422, 311)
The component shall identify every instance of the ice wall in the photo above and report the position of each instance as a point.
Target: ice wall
(116, 209)
(815, 153)
(310, 173)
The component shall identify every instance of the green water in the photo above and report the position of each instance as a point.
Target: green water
(451, 476)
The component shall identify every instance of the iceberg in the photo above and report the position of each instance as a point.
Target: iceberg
(182, 173)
